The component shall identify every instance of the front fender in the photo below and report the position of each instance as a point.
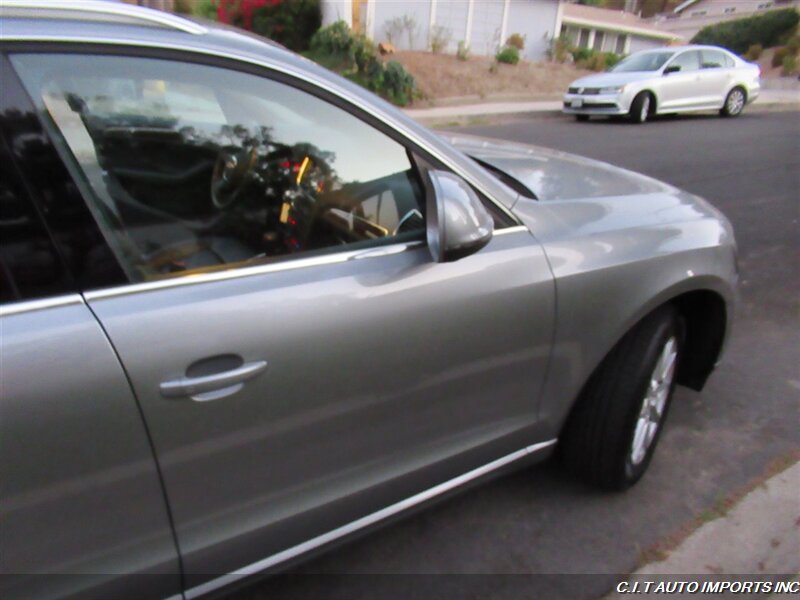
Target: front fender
(615, 260)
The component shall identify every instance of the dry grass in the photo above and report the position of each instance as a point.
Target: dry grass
(440, 76)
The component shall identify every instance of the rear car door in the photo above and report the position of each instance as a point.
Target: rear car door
(682, 88)
(717, 76)
(300, 359)
(82, 511)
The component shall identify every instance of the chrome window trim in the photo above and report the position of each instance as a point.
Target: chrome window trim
(25, 306)
(135, 13)
(366, 521)
(240, 272)
(510, 230)
(342, 94)
(287, 265)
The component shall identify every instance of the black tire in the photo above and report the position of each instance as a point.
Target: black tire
(599, 439)
(582, 118)
(641, 108)
(734, 103)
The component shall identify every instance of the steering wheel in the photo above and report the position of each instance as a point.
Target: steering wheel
(230, 174)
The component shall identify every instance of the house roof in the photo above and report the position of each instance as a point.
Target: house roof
(612, 20)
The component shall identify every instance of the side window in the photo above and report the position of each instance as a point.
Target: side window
(190, 168)
(29, 266)
(688, 61)
(714, 59)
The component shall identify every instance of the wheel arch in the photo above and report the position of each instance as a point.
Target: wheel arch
(706, 318)
(705, 315)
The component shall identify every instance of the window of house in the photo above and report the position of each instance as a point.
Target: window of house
(583, 39)
(599, 36)
(191, 168)
(621, 41)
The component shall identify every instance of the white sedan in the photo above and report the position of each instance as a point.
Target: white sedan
(667, 81)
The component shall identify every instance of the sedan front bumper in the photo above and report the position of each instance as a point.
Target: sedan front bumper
(597, 104)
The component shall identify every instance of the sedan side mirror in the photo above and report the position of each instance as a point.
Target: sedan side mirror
(459, 224)
(672, 69)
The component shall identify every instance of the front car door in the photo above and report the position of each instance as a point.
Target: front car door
(82, 510)
(300, 359)
(681, 89)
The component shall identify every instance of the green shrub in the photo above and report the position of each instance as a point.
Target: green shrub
(335, 39)
(754, 52)
(611, 59)
(789, 65)
(794, 44)
(740, 34)
(206, 9)
(780, 54)
(517, 41)
(440, 38)
(593, 60)
(560, 49)
(508, 55)
(582, 54)
(355, 56)
(462, 53)
(397, 84)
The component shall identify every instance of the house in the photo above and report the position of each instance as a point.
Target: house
(612, 30)
(691, 16)
(482, 25)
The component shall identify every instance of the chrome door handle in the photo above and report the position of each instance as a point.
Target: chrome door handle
(212, 387)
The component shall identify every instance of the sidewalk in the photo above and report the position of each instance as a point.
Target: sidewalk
(760, 535)
(768, 98)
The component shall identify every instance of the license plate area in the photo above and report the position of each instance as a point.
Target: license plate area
(576, 103)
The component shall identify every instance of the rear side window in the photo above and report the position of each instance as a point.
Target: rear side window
(191, 168)
(715, 59)
(29, 266)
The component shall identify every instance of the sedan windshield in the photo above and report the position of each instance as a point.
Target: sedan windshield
(646, 61)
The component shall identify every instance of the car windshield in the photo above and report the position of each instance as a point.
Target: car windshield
(646, 61)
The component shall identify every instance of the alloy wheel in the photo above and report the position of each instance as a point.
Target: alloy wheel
(654, 401)
(735, 102)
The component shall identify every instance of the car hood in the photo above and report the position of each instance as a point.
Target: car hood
(554, 175)
(612, 79)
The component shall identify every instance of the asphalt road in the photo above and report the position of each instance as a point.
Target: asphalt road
(501, 540)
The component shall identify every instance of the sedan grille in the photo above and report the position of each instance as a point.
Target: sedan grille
(589, 91)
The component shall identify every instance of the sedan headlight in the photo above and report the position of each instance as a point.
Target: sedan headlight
(612, 90)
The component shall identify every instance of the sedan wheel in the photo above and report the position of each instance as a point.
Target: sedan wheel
(612, 432)
(734, 103)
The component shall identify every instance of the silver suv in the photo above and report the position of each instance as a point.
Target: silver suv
(249, 310)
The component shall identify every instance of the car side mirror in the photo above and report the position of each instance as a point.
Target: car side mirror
(672, 69)
(459, 224)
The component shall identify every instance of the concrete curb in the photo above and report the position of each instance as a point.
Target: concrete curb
(758, 536)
